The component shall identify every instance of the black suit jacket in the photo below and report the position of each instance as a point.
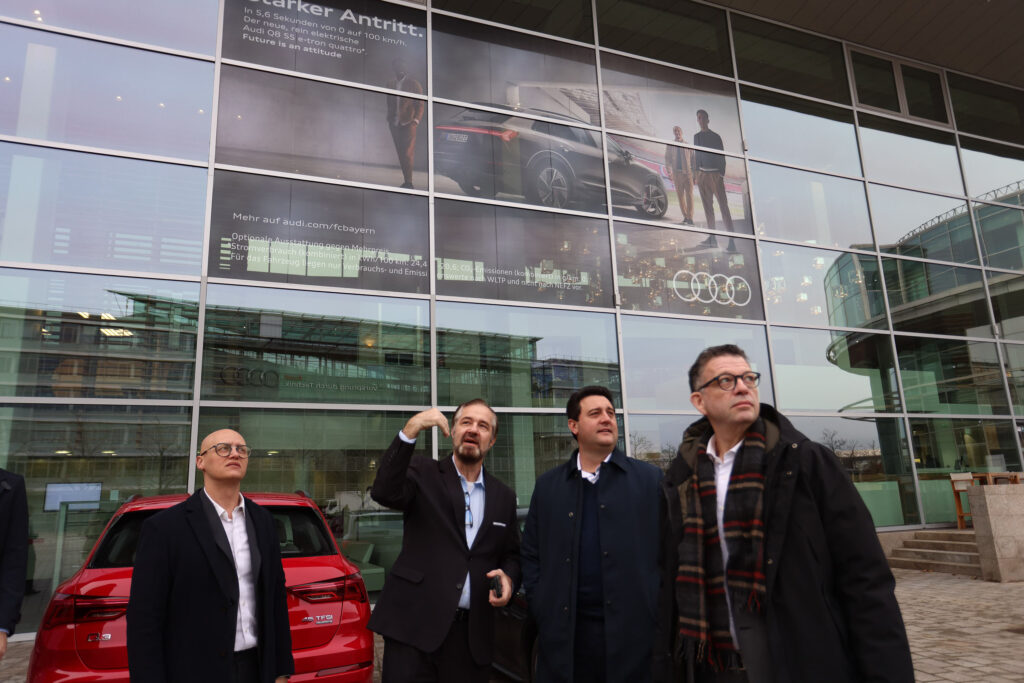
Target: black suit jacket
(13, 547)
(184, 597)
(422, 592)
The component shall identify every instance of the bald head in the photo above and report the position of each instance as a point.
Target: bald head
(221, 436)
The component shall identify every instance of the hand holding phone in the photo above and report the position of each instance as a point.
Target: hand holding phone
(496, 586)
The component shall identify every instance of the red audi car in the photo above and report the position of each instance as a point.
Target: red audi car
(82, 636)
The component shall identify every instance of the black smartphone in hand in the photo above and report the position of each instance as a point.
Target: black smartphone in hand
(496, 586)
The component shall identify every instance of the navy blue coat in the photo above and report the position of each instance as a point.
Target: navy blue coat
(13, 547)
(629, 502)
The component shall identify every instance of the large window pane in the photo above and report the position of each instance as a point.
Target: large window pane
(364, 41)
(809, 207)
(279, 230)
(650, 99)
(923, 90)
(783, 58)
(189, 25)
(936, 298)
(1007, 303)
(874, 453)
(69, 335)
(501, 253)
(70, 208)
(902, 154)
(987, 109)
(1002, 235)
(683, 33)
(993, 172)
(704, 188)
(567, 18)
(675, 271)
(922, 225)
(946, 376)
(72, 90)
(819, 287)
(816, 370)
(99, 455)
(281, 345)
(318, 129)
(843, 371)
(525, 357)
(478, 63)
(481, 153)
(658, 353)
(793, 131)
(942, 446)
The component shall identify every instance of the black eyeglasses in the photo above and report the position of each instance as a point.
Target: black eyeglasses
(224, 450)
(727, 381)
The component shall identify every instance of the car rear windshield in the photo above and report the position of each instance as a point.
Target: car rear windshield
(300, 533)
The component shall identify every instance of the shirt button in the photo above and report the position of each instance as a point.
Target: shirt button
(571, 514)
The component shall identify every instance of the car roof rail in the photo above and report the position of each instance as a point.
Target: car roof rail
(134, 497)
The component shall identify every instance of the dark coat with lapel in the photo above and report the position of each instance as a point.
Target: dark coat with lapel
(831, 612)
(184, 597)
(629, 501)
(422, 592)
(13, 547)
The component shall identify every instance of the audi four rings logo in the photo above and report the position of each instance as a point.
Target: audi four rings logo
(706, 288)
(248, 377)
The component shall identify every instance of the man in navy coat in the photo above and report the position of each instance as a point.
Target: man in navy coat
(208, 595)
(436, 612)
(590, 554)
(13, 552)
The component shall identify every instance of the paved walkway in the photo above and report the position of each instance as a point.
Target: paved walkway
(961, 629)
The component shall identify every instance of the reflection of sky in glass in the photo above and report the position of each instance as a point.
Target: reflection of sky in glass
(189, 25)
(91, 294)
(77, 91)
(904, 160)
(560, 334)
(807, 380)
(844, 434)
(988, 172)
(320, 304)
(793, 137)
(896, 213)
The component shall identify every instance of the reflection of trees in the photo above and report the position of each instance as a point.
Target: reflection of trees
(860, 464)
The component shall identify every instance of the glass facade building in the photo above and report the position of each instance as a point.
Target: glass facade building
(307, 221)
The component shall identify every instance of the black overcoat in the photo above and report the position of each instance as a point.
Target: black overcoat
(831, 611)
(629, 499)
(184, 598)
(13, 547)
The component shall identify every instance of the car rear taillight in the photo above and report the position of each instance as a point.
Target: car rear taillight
(76, 609)
(346, 588)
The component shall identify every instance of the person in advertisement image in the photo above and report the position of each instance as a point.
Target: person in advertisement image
(709, 176)
(460, 551)
(772, 570)
(679, 166)
(590, 554)
(208, 594)
(404, 115)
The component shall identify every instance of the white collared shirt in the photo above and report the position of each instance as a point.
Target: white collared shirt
(476, 508)
(238, 539)
(723, 471)
(591, 476)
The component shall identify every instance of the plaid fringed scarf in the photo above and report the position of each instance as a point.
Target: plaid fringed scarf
(701, 579)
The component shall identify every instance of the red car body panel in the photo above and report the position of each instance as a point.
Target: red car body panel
(83, 635)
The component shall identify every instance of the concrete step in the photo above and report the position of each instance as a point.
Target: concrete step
(953, 546)
(941, 556)
(947, 567)
(955, 535)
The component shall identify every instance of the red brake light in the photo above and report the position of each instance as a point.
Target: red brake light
(346, 588)
(75, 609)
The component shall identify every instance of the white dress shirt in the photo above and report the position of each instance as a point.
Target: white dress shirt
(238, 539)
(591, 476)
(723, 471)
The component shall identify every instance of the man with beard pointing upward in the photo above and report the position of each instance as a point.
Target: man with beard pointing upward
(436, 610)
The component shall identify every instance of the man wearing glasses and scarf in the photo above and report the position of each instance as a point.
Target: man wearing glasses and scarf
(772, 568)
